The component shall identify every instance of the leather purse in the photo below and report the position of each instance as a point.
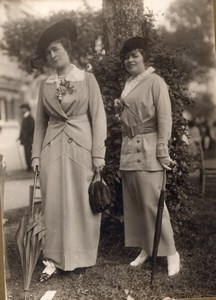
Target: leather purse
(99, 194)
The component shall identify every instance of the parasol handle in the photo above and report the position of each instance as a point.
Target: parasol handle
(34, 190)
(164, 180)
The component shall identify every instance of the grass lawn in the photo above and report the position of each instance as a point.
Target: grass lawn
(113, 278)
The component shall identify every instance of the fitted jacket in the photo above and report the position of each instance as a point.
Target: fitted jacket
(83, 118)
(149, 99)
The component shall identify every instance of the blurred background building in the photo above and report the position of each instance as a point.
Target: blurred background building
(13, 88)
(12, 80)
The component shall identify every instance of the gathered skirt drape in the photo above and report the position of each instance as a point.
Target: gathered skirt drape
(72, 230)
(141, 192)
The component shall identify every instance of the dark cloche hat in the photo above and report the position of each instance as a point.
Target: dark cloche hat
(25, 105)
(132, 44)
(62, 29)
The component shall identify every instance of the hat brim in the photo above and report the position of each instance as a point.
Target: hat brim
(62, 29)
(132, 44)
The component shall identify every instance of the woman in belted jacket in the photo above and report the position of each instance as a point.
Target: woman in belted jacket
(68, 146)
(146, 130)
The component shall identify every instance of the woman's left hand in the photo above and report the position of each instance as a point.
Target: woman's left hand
(98, 164)
(165, 162)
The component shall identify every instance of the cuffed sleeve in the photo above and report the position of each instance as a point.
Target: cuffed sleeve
(163, 115)
(162, 150)
(98, 161)
(98, 118)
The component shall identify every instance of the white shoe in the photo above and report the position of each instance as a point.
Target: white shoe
(173, 264)
(141, 258)
(49, 270)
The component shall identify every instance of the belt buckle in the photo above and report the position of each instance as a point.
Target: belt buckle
(128, 130)
(131, 132)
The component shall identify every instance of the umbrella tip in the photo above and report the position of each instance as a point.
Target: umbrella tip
(25, 295)
(151, 282)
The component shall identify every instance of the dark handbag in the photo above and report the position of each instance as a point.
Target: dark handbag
(99, 194)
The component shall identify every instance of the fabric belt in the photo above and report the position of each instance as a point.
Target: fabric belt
(132, 131)
(77, 118)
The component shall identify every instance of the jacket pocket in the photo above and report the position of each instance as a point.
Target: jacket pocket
(132, 145)
(127, 145)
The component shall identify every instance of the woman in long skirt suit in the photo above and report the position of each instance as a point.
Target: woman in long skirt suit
(146, 129)
(68, 146)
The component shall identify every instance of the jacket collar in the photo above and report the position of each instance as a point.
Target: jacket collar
(74, 75)
(131, 83)
(26, 114)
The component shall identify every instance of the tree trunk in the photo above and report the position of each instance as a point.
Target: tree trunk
(122, 20)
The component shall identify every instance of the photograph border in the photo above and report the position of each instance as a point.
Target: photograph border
(2, 264)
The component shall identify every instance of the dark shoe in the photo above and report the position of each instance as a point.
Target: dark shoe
(49, 271)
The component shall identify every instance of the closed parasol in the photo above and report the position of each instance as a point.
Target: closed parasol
(30, 238)
(158, 225)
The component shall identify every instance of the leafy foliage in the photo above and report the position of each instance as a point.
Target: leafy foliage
(110, 74)
(192, 30)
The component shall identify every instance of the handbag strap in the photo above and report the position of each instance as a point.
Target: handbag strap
(99, 173)
(36, 174)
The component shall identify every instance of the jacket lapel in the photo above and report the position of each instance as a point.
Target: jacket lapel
(136, 86)
(52, 102)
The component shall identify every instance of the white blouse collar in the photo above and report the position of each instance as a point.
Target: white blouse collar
(132, 82)
(74, 75)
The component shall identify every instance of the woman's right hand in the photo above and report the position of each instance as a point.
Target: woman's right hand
(165, 162)
(36, 164)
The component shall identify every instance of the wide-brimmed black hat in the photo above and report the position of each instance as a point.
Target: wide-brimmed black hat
(62, 29)
(132, 44)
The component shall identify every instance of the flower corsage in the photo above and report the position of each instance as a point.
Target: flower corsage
(119, 104)
(62, 87)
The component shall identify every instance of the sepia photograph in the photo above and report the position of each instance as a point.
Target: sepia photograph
(107, 149)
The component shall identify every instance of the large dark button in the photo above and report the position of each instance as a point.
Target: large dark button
(138, 141)
(138, 160)
(138, 151)
(70, 140)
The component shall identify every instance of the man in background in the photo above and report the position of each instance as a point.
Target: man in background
(26, 133)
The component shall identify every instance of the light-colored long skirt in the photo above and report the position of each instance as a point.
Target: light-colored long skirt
(72, 231)
(141, 192)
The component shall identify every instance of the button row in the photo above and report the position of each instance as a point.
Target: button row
(138, 151)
